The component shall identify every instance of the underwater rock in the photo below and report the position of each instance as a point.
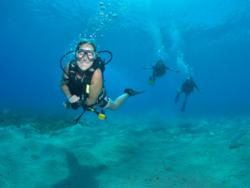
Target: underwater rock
(35, 157)
(236, 141)
(194, 128)
(79, 175)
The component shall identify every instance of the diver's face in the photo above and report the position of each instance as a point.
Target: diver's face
(85, 56)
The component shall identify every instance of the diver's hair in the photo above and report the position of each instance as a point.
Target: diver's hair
(86, 42)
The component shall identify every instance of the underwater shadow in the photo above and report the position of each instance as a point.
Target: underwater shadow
(79, 175)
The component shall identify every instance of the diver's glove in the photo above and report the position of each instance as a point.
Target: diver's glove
(132, 92)
(75, 105)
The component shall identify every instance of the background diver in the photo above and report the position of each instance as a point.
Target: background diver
(187, 88)
(82, 81)
(158, 70)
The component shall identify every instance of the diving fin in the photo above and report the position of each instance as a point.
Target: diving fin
(132, 92)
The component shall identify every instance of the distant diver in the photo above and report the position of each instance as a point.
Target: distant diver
(187, 88)
(158, 70)
(83, 82)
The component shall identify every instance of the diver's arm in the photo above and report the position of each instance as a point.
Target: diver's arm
(64, 83)
(95, 87)
(66, 91)
(71, 98)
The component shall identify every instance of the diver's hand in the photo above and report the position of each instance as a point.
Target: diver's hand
(74, 99)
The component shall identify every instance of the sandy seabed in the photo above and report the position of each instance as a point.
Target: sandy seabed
(124, 152)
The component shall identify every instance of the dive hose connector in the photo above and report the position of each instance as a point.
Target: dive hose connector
(101, 115)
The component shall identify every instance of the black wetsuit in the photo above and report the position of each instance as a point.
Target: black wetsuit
(187, 88)
(79, 81)
(159, 69)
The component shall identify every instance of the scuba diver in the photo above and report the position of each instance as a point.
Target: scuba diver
(187, 88)
(158, 70)
(83, 82)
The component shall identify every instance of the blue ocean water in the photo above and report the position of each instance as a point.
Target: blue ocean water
(209, 40)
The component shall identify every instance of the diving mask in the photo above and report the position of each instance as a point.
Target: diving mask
(89, 53)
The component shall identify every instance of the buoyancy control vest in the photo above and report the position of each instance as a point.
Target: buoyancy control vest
(79, 81)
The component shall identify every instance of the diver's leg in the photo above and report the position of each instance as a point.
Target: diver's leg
(177, 97)
(128, 92)
(184, 103)
(151, 80)
(112, 105)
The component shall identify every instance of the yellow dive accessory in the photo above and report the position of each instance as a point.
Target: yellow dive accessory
(87, 88)
(151, 82)
(101, 115)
